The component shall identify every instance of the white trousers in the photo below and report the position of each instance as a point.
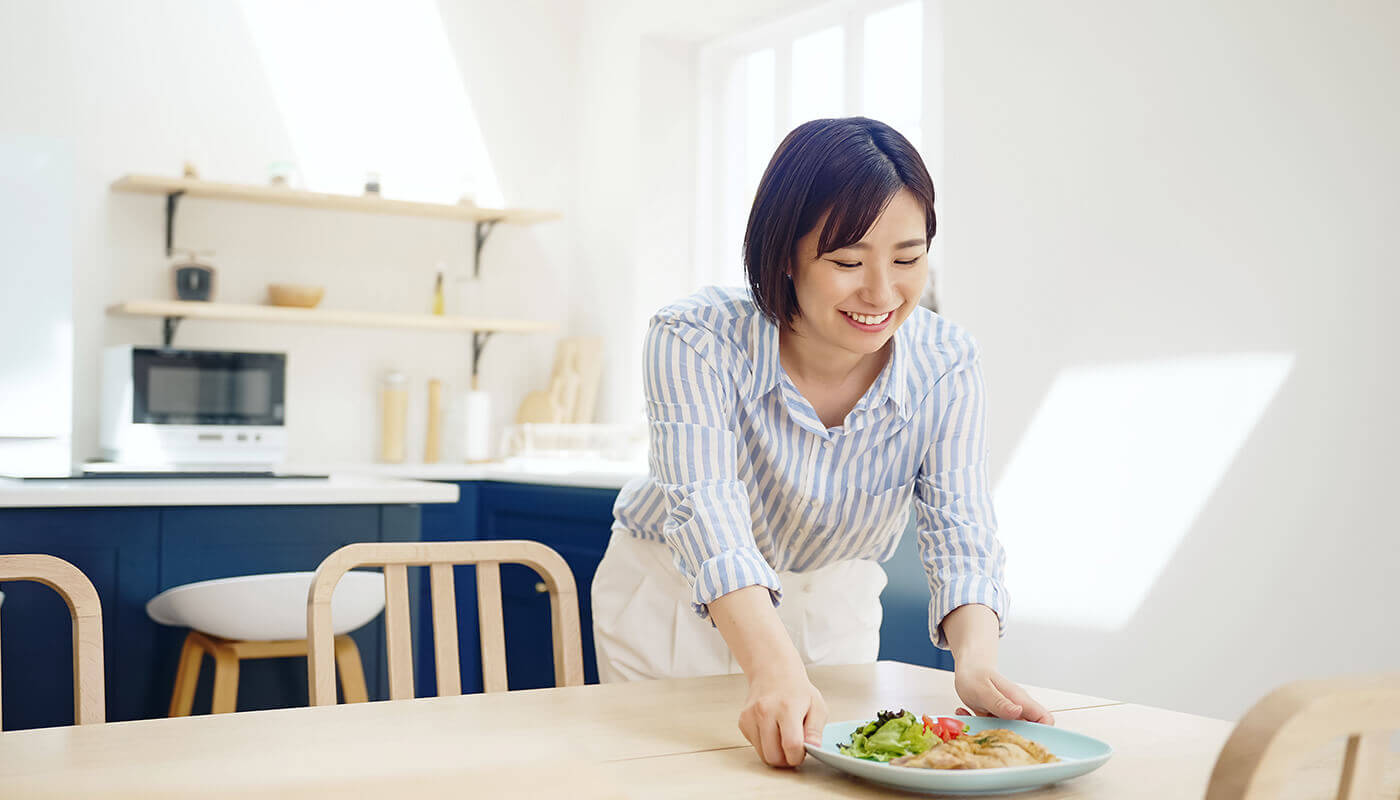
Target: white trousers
(644, 627)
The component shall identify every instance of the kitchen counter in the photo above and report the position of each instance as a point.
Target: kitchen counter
(339, 489)
(588, 474)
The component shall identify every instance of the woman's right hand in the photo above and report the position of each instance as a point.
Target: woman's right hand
(782, 711)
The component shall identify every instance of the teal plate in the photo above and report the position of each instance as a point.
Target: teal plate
(1078, 755)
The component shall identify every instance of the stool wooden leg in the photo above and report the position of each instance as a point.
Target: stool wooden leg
(352, 671)
(186, 677)
(225, 681)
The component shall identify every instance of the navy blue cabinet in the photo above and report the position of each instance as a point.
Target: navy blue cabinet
(574, 521)
(203, 543)
(132, 554)
(904, 631)
(115, 548)
(577, 522)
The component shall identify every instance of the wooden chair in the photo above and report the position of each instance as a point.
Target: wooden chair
(1273, 738)
(89, 692)
(440, 557)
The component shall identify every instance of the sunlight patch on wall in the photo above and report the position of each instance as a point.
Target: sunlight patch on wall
(1113, 470)
(366, 86)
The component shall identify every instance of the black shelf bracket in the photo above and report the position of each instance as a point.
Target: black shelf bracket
(172, 200)
(168, 327)
(483, 230)
(479, 339)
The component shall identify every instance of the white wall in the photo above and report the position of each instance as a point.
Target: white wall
(1132, 182)
(141, 86)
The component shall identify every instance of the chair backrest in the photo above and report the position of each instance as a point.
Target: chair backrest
(440, 558)
(89, 692)
(1275, 736)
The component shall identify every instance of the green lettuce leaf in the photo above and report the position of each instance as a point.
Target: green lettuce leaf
(889, 736)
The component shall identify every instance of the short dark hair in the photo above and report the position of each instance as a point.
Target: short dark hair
(852, 167)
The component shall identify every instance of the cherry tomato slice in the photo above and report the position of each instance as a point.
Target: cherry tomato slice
(951, 728)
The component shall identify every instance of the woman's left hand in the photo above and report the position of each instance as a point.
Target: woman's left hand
(987, 694)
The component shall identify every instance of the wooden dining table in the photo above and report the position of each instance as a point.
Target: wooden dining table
(651, 739)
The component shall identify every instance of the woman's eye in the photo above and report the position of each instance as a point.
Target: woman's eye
(911, 262)
(846, 264)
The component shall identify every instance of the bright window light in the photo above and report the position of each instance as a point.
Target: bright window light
(759, 116)
(818, 75)
(366, 86)
(892, 83)
(1115, 467)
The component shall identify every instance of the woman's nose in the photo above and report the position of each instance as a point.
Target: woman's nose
(879, 287)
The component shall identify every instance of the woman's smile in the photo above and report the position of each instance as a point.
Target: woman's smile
(870, 323)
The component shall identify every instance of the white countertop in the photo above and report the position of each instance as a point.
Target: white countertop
(338, 489)
(553, 472)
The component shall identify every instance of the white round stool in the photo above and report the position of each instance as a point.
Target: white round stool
(261, 616)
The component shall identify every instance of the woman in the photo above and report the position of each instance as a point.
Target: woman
(792, 424)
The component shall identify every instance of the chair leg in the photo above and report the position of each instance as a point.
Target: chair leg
(352, 671)
(225, 681)
(186, 677)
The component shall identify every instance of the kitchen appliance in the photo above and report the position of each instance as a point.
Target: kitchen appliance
(188, 408)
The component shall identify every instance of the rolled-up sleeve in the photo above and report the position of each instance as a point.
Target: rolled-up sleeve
(694, 459)
(956, 523)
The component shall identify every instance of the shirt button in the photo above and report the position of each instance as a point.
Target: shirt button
(827, 444)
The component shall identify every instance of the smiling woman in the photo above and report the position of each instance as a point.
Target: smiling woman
(792, 425)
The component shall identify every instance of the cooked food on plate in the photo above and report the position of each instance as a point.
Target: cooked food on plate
(981, 750)
(904, 740)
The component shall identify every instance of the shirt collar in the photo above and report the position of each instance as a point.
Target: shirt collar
(892, 384)
(763, 354)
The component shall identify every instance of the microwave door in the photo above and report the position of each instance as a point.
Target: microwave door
(208, 388)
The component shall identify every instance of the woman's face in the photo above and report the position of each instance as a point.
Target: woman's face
(854, 298)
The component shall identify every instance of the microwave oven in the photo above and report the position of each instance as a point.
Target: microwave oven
(162, 406)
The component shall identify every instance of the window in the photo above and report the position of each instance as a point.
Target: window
(364, 86)
(872, 58)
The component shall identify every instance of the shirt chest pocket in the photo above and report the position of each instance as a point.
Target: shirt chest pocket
(873, 515)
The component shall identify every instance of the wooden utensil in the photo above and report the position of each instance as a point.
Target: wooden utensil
(432, 448)
(588, 364)
(562, 389)
(583, 356)
(537, 407)
(563, 382)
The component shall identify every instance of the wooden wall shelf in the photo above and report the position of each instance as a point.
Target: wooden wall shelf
(365, 319)
(174, 311)
(247, 193)
(485, 219)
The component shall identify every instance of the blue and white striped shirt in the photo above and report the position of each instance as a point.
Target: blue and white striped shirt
(746, 481)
